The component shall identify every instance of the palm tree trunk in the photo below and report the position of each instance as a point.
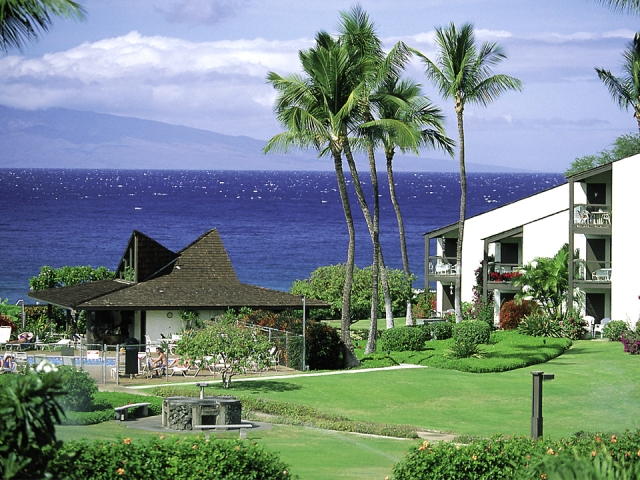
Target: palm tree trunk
(373, 324)
(367, 216)
(463, 209)
(345, 331)
(403, 240)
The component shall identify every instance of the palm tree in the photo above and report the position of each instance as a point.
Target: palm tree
(315, 110)
(626, 90)
(408, 121)
(22, 21)
(463, 72)
(632, 6)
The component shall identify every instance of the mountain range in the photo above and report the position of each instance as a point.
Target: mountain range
(62, 138)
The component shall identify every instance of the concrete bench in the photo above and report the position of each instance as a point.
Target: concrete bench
(242, 427)
(122, 413)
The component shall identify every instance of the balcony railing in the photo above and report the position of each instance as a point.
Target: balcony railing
(592, 271)
(503, 272)
(592, 215)
(442, 265)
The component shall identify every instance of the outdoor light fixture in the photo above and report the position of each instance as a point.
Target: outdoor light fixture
(451, 289)
(21, 302)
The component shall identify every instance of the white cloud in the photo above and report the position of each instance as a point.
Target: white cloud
(202, 12)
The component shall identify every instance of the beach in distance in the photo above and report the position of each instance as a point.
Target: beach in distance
(277, 226)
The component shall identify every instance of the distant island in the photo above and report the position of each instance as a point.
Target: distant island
(62, 138)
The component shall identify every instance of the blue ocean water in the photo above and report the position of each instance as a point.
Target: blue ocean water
(277, 226)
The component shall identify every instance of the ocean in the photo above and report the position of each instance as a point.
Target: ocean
(276, 226)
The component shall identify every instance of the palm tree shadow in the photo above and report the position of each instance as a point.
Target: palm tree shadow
(264, 386)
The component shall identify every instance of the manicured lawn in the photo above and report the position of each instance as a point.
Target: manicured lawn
(595, 389)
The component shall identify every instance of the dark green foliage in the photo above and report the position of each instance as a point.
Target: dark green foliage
(442, 330)
(573, 326)
(29, 411)
(190, 458)
(511, 313)
(65, 276)
(614, 329)
(324, 347)
(472, 331)
(522, 457)
(404, 338)
(104, 403)
(624, 146)
(326, 283)
(80, 389)
(462, 349)
(539, 325)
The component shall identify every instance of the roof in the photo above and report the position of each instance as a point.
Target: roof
(199, 277)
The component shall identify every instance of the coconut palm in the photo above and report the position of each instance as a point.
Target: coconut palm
(463, 73)
(625, 90)
(22, 21)
(315, 110)
(408, 121)
(632, 6)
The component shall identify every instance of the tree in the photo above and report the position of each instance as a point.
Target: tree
(237, 347)
(631, 6)
(61, 277)
(463, 72)
(22, 21)
(315, 109)
(625, 90)
(624, 146)
(546, 281)
(409, 121)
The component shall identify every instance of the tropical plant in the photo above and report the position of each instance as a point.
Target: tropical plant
(625, 90)
(29, 411)
(624, 146)
(546, 281)
(463, 72)
(22, 21)
(539, 325)
(614, 329)
(631, 6)
(315, 109)
(408, 121)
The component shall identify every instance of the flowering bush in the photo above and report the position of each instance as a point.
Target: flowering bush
(511, 313)
(503, 277)
(631, 342)
(614, 329)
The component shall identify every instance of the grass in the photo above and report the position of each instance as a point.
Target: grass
(595, 389)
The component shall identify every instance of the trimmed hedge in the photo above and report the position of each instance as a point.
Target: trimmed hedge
(192, 458)
(472, 332)
(404, 338)
(103, 405)
(508, 458)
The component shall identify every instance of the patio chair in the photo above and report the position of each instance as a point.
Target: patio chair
(597, 328)
(274, 358)
(5, 335)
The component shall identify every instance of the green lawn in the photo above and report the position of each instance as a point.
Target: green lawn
(595, 388)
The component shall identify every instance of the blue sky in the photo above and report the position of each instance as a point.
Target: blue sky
(202, 63)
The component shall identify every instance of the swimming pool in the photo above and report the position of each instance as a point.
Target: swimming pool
(94, 362)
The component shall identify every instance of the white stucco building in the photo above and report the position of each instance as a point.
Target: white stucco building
(595, 213)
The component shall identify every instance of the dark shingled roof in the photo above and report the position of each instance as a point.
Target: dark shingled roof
(199, 277)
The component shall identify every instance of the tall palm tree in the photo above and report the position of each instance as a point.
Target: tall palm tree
(408, 121)
(22, 21)
(632, 6)
(463, 73)
(315, 110)
(625, 90)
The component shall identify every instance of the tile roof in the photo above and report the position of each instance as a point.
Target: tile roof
(198, 277)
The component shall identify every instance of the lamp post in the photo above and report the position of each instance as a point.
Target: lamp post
(21, 302)
(304, 333)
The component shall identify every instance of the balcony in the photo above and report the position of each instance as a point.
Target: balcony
(592, 271)
(592, 216)
(442, 266)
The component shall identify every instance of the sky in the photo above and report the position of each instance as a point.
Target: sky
(203, 64)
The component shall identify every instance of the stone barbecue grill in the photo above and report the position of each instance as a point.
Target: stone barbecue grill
(185, 413)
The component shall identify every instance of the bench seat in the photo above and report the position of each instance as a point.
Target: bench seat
(122, 413)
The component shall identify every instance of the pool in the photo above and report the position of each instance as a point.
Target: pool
(97, 362)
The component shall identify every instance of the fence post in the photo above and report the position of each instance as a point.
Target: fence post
(104, 364)
(117, 364)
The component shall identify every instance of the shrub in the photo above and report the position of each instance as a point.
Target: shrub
(506, 458)
(511, 313)
(631, 342)
(404, 338)
(6, 321)
(323, 347)
(471, 331)
(573, 327)
(614, 329)
(540, 325)
(462, 349)
(424, 304)
(442, 330)
(79, 388)
(191, 457)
